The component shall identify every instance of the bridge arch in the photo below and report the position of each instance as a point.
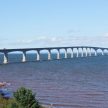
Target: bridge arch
(1, 57)
(13, 56)
(80, 52)
(84, 52)
(63, 53)
(105, 51)
(94, 52)
(44, 54)
(100, 51)
(88, 51)
(75, 52)
(55, 53)
(31, 55)
(69, 53)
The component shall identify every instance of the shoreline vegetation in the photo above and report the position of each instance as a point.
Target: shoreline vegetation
(22, 98)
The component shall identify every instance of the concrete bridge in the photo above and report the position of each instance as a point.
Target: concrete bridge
(83, 51)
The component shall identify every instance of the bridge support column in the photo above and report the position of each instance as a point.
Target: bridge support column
(102, 52)
(38, 55)
(58, 54)
(86, 52)
(65, 53)
(72, 53)
(82, 52)
(5, 61)
(77, 52)
(24, 56)
(95, 52)
(49, 55)
(89, 51)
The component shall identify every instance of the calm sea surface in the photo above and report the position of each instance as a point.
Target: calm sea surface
(67, 83)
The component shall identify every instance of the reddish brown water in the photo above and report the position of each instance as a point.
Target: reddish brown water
(71, 83)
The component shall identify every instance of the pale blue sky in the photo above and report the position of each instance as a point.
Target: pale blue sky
(43, 23)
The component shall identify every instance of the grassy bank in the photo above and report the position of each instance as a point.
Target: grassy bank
(22, 98)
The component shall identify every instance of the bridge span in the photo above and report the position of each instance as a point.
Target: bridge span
(84, 51)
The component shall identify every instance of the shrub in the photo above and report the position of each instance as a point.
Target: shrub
(25, 99)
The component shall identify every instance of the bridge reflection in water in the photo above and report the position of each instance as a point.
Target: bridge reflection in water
(83, 51)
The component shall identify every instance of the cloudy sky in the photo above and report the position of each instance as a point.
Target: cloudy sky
(49, 23)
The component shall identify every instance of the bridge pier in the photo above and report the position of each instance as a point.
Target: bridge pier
(72, 53)
(95, 52)
(77, 55)
(86, 52)
(38, 55)
(65, 53)
(58, 54)
(49, 54)
(89, 51)
(5, 61)
(24, 56)
(102, 52)
(81, 52)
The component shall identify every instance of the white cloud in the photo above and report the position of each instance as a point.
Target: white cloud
(46, 41)
(106, 35)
